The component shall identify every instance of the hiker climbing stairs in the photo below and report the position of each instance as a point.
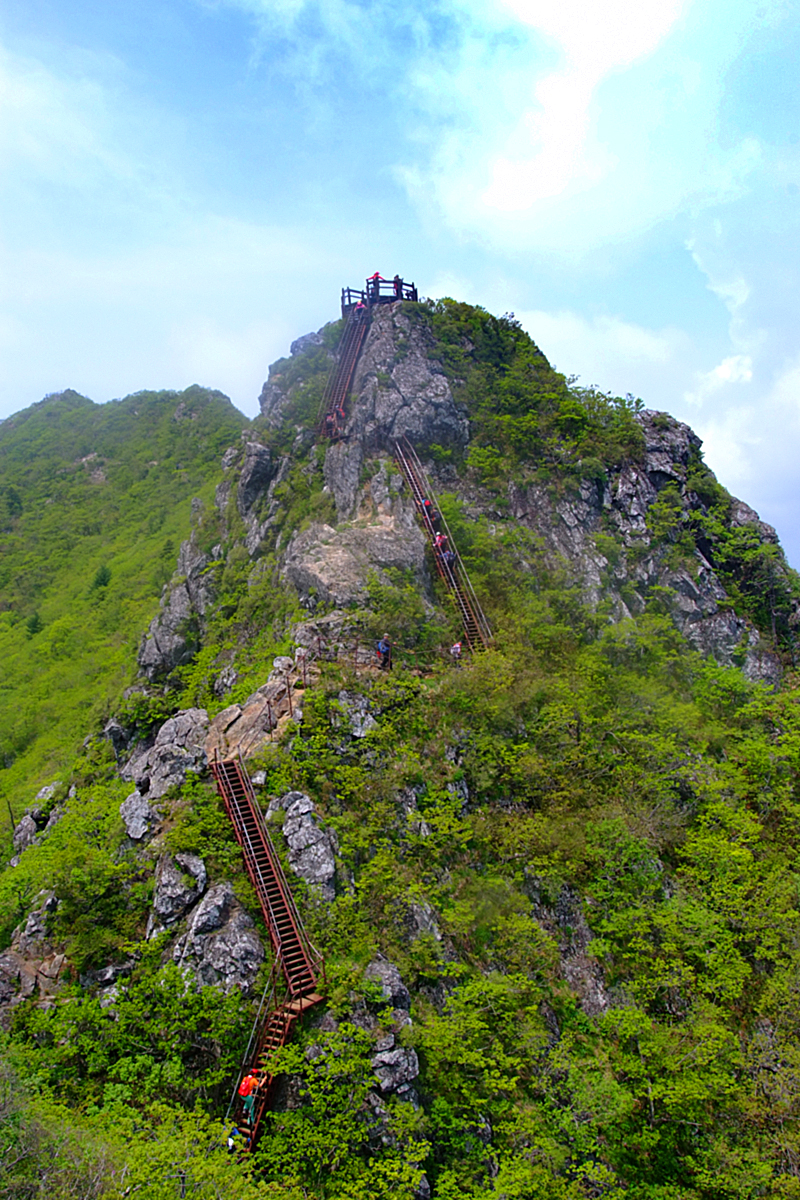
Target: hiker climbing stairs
(449, 564)
(332, 410)
(297, 963)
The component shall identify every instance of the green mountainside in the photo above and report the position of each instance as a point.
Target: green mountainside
(94, 503)
(555, 885)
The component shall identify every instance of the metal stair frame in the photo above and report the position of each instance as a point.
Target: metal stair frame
(340, 380)
(477, 631)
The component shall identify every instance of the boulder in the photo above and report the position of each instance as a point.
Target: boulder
(179, 747)
(25, 834)
(137, 816)
(395, 1069)
(221, 945)
(385, 973)
(311, 851)
(180, 882)
(332, 566)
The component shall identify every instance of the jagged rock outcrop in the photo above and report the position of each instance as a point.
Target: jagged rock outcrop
(398, 391)
(180, 882)
(173, 634)
(221, 945)
(31, 967)
(179, 747)
(568, 526)
(311, 848)
(566, 921)
(138, 817)
(246, 727)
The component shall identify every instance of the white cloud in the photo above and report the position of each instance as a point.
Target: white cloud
(615, 355)
(548, 150)
(737, 368)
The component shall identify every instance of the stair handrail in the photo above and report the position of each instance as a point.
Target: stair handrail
(270, 990)
(313, 956)
(341, 375)
(231, 802)
(409, 460)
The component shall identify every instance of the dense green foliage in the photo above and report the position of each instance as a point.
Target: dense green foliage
(524, 416)
(95, 501)
(579, 848)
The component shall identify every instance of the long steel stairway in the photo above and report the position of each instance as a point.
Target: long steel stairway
(477, 632)
(332, 416)
(296, 960)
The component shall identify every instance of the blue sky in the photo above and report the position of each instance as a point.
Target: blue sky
(185, 185)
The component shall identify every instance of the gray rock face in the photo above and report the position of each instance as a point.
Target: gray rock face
(137, 815)
(220, 945)
(180, 881)
(172, 636)
(311, 851)
(568, 527)
(333, 567)
(30, 938)
(258, 470)
(397, 392)
(566, 920)
(396, 1069)
(25, 834)
(355, 709)
(385, 973)
(309, 341)
(179, 747)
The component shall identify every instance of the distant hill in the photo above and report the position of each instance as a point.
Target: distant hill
(94, 503)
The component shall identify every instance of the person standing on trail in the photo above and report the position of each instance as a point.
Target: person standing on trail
(248, 1090)
(385, 653)
(455, 654)
(431, 515)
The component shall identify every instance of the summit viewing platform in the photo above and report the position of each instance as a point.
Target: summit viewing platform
(378, 290)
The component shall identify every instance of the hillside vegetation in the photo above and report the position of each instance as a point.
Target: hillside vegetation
(94, 503)
(579, 848)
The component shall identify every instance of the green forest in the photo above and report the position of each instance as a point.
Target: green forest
(599, 822)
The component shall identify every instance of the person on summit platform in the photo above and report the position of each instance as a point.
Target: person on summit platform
(398, 287)
(375, 282)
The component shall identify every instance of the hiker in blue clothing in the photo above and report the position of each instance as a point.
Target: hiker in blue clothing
(385, 653)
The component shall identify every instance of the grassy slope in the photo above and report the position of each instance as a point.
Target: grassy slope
(94, 502)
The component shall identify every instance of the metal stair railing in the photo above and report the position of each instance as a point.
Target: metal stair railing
(295, 956)
(337, 389)
(477, 631)
(301, 962)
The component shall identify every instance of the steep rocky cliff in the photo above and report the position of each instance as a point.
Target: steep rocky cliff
(599, 528)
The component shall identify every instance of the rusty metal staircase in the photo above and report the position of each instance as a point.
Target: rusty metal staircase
(332, 411)
(298, 967)
(477, 633)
